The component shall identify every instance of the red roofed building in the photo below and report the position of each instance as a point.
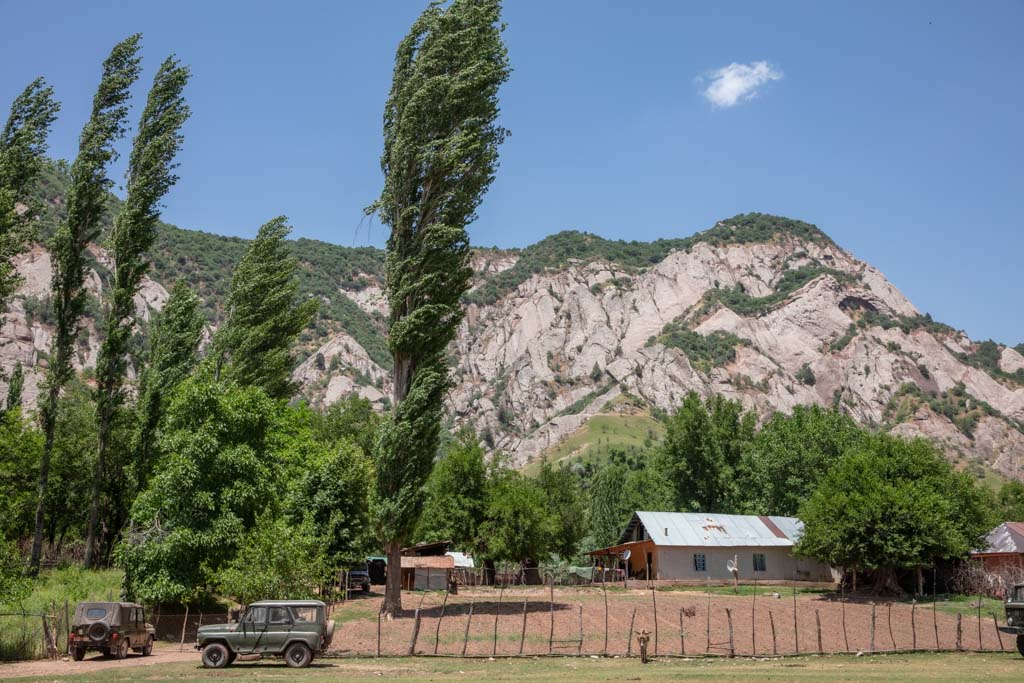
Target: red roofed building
(1005, 548)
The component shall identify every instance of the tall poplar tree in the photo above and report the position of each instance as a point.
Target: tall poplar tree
(265, 315)
(172, 353)
(22, 146)
(440, 155)
(150, 176)
(86, 201)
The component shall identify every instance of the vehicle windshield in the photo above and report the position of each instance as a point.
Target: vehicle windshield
(95, 613)
(255, 615)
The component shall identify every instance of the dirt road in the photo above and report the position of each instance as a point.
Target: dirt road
(162, 655)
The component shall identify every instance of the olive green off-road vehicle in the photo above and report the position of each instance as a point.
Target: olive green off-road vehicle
(1015, 616)
(295, 629)
(113, 628)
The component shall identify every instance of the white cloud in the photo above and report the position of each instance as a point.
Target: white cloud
(732, 84)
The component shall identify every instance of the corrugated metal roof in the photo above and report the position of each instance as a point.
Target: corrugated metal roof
(1008, 537)
(709, 529)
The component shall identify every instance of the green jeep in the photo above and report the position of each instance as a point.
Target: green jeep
(1015, 616)
(296, 629)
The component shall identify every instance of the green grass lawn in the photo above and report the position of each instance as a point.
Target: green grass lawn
(600, 435)
(905, 668)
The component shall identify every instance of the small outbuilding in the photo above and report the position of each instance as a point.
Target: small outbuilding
(1004, 548)
(696, 547)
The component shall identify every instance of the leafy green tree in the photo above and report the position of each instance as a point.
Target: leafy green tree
(456, 495)
(85, 210)
(616, 492)
(1010, 502)
(702, 450)
(172, 353)
(440, 155)
(22, 148)
(890, 504)
(517, 526)
(563, 500)
(790, 454)
(350, 418)
(220, 472)
(264, 315)
(150, 177)
(74, 449)
(275, 559)
(21, 446)
(331, 493)
(14, 585)
(15, 387)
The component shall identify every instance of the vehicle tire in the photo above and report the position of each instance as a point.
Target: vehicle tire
(366, 588)
(298, 655)
(215, 656)
(78, 653)
(121, 649)
(147, 649)
(98, 631)
(1020, 645)
(328, 633)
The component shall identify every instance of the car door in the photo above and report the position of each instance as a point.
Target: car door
(279, 628)
(251, 631)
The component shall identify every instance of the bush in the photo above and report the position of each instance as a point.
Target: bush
(704, 351)
(805, 375)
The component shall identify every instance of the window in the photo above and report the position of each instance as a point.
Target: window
(304, 614)
(255, 615)
(700, 562)
(759, 562)
(279, 615)
(95, 613)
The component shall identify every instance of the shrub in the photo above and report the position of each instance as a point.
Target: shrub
(805, 375)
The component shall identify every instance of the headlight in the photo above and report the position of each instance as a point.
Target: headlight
(1009, 621)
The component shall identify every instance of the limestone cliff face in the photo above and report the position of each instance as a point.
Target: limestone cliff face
(798, 321)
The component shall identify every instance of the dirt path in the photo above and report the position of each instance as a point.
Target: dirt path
(96, 662)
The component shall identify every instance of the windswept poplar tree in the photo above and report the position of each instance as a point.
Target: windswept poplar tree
(22, 146)
(265, 315)
(173, 352)
(440, 155)
(150, 176)
(85, 209)
(15, 386)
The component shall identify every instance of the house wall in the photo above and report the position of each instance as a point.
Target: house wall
(676, 563)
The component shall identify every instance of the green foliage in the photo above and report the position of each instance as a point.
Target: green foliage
(705, 352)
(351, 418)
(1010, 502)
(790, 455)
(963, 409)
(21, 447)
(440, 155)
(275, 559)
(986, 356)
(702, 450)
(173, 351)
(563, 501)
(264, 315)
(15, 387)
(738, 301)
(890, 504)
(517, 525)
(456, 495)
(556, 250)
(616, 491)
(805, 375)
(844, 341)
(14, 586)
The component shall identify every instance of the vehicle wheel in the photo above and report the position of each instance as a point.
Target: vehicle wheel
(121, 649)
(147, 649)
(215, 656)
(366, 588)
(328, 633)
(78, 653)
(98, 631)
(1020, 645)
(298, 655)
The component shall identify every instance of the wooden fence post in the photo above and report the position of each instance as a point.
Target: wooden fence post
(732, 645)
(796, 630)
(935, 602)
(67, 625)
(842, 606)
(465, 636)
(995, 622)
(981, 644)
(551, 635)
(604, 590)
(771, 620)
(872, 647)
(891, 636)
(707, 625)
(629, 635)
(579, 646)
(415, 632)
(654, 602)
(913, 626)
(497, 613)
(959, 631)
(753, 621)
(817, 619)
(522, 635)
(682, 634)
(437, 631)
(184, 623)
(378, 628)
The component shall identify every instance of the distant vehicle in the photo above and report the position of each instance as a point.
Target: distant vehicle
(359, 579)
(295, 629)
(1015, 616)
(113, 628)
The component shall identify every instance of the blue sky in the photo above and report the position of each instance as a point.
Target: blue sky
(895, 127)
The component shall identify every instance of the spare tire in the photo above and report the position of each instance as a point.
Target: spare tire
(98, 631)
(328, 633)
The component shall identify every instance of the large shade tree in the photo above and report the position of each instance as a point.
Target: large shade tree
(440, 155)
(150, 176)
(86, 207)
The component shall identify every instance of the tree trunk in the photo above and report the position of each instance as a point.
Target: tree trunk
(920, 580)
(885, 582)
(49, 419)
(393, 585)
